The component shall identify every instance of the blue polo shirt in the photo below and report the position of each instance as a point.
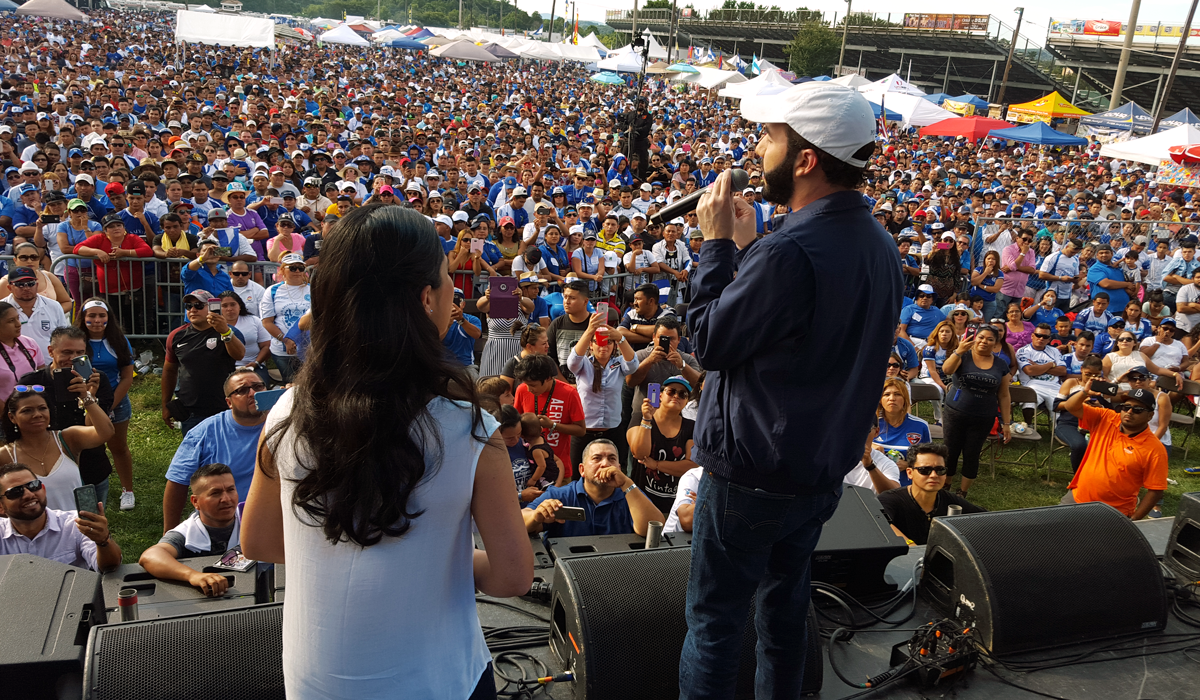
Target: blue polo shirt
(921, 322)
(461, 345)
(221, 439)
(203, 279)
(1117, 298)
(608, 517)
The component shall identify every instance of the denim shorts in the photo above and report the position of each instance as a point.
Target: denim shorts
(122, 412)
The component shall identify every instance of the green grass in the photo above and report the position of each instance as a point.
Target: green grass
(153, 445)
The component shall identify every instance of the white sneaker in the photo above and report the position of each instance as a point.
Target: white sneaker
(127, 500)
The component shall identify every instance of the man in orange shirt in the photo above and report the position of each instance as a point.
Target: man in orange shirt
(1123, 455)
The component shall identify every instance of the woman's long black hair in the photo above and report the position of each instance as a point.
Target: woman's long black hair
(112, 333)
(374, 363)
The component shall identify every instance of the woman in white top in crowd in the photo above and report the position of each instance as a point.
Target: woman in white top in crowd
(600, 377)
(254, 336)
(281, 308)
(52, 455)
(1127, 356)
(382, 569)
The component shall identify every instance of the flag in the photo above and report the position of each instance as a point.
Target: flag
(754, 64)
(575, 38)
(539, 30)
(720, 60)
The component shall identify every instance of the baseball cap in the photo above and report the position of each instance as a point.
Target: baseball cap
(678, 379)
(460, 215)
(834, 118)
(217, 213)
(443, 219)
(1143, 396)
(112, 219)
(291, 258)
(198, 295)
(114, 188)
(590, 235)
(21, 273)
(76, 204)
(925, 289)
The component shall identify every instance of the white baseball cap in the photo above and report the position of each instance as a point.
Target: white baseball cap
(834, 118)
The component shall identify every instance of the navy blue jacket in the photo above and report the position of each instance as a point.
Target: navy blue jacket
(796, 346)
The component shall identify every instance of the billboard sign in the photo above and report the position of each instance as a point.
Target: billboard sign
(963, 23)
(1093, 27)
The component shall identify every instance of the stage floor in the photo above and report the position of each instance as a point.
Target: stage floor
(1164, 677)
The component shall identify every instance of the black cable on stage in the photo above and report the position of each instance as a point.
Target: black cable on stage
(1144, 650)
(525, 685)
(510, 606)
(515, 637)
(843, 597)
(988, 667)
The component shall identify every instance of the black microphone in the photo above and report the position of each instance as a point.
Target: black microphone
(689, 203)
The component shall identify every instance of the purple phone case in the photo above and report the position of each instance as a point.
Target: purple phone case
(652, 392)
(503, 303)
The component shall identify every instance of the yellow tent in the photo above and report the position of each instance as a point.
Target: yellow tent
(1043, 109)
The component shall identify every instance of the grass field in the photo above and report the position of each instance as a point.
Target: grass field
(153, 444)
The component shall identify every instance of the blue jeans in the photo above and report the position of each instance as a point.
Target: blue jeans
(746, 543)
(287, 366)
(102, 492)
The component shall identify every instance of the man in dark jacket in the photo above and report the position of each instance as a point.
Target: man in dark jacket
(792, 378)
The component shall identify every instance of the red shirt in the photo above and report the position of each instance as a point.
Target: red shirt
(561, 405)
(116, 276)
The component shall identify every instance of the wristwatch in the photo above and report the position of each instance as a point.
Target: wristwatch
(869, 466)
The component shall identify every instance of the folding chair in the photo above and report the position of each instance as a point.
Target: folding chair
(1056, 445)
(1187, 421)
(1019, 395)
(925, 392)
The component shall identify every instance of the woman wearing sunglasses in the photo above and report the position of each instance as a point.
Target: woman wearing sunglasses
(50, 454)
(977, 394)
(662, 443)
(27, 255)
(1126, 356)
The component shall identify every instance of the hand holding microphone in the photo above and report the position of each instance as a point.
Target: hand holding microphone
(723, 216)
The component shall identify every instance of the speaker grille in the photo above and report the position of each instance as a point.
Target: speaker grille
(228, 655)
(1056, 575)
(613, 614)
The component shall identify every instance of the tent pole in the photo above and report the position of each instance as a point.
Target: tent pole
(1183, 37)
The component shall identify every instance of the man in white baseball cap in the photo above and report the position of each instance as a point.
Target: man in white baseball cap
(751, 331)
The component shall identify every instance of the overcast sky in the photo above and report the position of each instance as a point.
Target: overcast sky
(1037, 15)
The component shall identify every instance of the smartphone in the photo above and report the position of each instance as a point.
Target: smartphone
(944, 245)
(51, 219)
(62, 383)
(214, 306)
(603, 307)
(969, 333)
(1104, 388)
(224, 251)
(570, 513)
(665, 343)
(83, 366)
(85, 499)
(477, 245)
(652, 392)
(276, 200)
(264, 400)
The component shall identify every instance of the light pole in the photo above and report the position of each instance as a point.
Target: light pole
(845, 30)
(1012, 47)
(1126, 49)
(1162, 102)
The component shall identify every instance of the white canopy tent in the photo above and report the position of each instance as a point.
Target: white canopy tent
(593, 41)
(621, 62)
(1152, 149)
(218, 30)
(464, 50)
(387, 35)
(709, 78)
(343, 34)
(205, 9)
(765, 82)
(853, 80)
(917, 111)
(56, 9)
(656, 49)
(893, 84)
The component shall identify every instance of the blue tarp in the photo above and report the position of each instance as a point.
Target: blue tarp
(891, 116)
(404, 43)
(1186, 116)
(938, 98)
(971, 99)
(1038, 133)
(1123, 118)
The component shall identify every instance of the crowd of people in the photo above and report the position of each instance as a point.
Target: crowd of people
(221, 180)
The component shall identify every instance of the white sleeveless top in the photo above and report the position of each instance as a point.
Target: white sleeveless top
(63, 478)
(397, 619)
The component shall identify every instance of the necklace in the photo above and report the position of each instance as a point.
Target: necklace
(41, 462)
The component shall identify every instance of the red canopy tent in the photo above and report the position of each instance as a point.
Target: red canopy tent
(973, 128)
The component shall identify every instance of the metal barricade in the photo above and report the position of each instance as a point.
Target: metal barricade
(145, 295)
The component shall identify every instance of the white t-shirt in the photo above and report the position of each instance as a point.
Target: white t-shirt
(253, 333)
(685, 492)
(252, 295)
(1188, 294)
(286, 303)
(37, 326)
(519, 265)
(858, 476)
(644, 259)
(1166, 355)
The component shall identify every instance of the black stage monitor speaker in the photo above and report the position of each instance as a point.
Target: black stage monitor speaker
(1183, 549)
(1044, 577)
(48, 610)
(228, 655)
(856, 546)
(617, 622)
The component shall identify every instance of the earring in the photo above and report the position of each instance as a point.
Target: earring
(428, 311)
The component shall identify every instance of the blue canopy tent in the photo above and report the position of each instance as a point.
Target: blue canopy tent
(1185, 116)
(404, 43)
(421, 34)
(971, 99)
(1127, 117)
(822, 78)
(1038, 133)
(891, 116)
(938, 98)
(8, 6)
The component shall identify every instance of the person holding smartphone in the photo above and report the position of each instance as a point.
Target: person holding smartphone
(662, 443)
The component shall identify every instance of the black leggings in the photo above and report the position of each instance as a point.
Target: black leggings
(964, 434)
(486, 689)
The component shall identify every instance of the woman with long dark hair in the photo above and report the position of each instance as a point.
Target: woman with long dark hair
(945, 271)
(369, 473)
(978, 394)
(111, 353)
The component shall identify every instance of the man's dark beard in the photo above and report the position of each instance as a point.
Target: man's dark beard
(21, 516)
(778, 185)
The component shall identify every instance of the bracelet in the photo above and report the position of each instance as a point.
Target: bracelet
(105, 542)
(88, 400)
(646, 425)
(228, 332)
(631, 487)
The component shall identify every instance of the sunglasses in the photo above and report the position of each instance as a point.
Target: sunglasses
(195, 306)
(25, 284)
(243, 390)
(240, 274)
(1136, 410)
(1041, 335)
(29, 388)
(295, 268)
(1124, 340)
(926, 471)
(675, 393)
(895, 365)
(15, 492)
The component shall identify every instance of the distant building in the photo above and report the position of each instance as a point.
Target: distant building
(231, 6)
